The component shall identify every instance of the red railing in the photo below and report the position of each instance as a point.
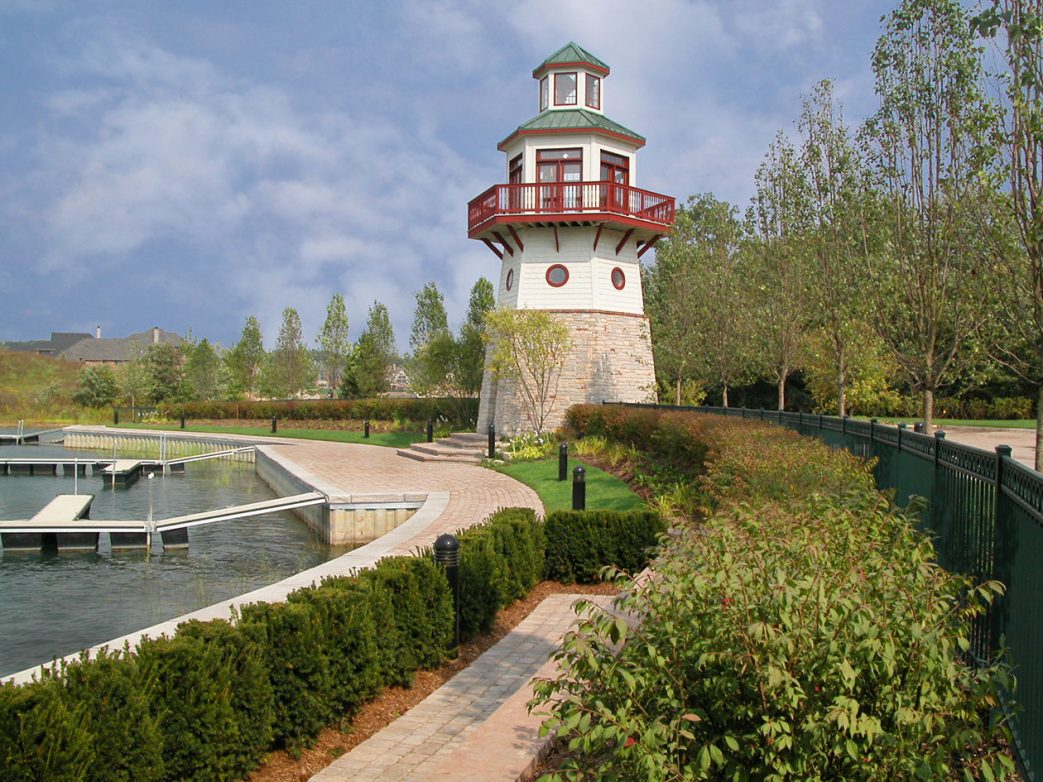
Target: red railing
(569, 197)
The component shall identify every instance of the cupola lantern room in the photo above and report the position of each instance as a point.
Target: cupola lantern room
(569, 227)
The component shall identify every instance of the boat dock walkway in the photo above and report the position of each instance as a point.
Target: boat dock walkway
(20, 438)
(123, 471)
(64, 518)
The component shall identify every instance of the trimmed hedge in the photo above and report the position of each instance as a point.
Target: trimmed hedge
(210, 702)
(456, 412)
(581, 543)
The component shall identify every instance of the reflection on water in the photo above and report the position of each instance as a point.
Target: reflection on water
(52, 604)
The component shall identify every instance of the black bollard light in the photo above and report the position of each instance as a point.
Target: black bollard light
(182, 420)
(275, 426)
(563, 462)
(115, 416)
(579, 489)
(492, 441)
(430, 430)
(447, 554)
(918, 427)
(365, 430)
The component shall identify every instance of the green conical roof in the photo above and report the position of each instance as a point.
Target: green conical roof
(570, 54)
(561, 120)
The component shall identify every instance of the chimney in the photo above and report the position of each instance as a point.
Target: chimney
(155, 335)
(97, 332)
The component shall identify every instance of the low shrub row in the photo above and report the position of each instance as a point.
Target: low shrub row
(210, 702)
(803, 631)
(893, 404)
(456, 412)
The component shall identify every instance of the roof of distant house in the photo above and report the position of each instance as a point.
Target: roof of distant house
(125, 349)
(59, 341)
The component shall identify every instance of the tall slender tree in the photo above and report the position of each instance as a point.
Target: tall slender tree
(930, 151)
(290, 364)
(1019, 327)
(836, 184)
(779, 263)
(333, 340)
(369, 364)
(470, 359)
(245, 360)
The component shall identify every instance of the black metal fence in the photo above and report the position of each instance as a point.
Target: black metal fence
(985, 511)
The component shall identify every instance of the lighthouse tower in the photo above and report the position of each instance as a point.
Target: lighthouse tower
(569, 228)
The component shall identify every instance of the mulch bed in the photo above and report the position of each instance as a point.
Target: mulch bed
(396, 701)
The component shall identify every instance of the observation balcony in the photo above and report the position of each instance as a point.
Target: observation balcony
(643, 215)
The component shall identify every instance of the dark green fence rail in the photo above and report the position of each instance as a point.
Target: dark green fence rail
(985, 511)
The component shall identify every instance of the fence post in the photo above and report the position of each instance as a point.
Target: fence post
(938, 437)
(843, 423)
(820, 422)
(872, 429)
(1002, 452)
(901, 428)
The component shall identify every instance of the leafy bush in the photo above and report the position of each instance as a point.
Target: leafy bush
(252, 698)
(190, 691)
(788, 643)
(291, 635)
(580, 543)
(42, 734)
(128, 745)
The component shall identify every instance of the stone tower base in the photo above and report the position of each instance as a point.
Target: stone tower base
(610, 361)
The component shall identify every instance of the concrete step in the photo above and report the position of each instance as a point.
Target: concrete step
(451, 455)
(440, 448)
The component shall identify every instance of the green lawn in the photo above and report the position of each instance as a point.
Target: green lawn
(387, 439)
(986, 423)
(604, 491)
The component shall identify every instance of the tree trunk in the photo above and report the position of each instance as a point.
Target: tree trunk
(928, 410)
(841, 386)
(724, 397)
(1039, 429)
(782, 391)
(677, 395)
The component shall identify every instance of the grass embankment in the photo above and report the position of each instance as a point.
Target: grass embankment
(39, 388)
(400, 439)
(604, 491)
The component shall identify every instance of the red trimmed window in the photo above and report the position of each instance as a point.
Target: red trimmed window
(514, 171)
(593, 97)
(544, 93)
(557, 275)
(510, 279)
(619, 280)
(564, 89)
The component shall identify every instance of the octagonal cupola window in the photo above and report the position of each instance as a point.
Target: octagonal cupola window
(570, 79)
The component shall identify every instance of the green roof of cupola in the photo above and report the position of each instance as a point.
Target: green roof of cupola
(571, 54)
(581, 120)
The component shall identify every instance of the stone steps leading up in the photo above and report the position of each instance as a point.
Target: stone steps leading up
(461, 447)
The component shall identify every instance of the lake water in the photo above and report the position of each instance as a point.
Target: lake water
(53, 604)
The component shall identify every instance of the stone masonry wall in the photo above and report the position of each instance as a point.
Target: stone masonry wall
(611, 360)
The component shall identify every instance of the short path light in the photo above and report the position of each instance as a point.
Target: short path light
(492, 441)
(563, 461)
(579, 489)
(430, 430)
(447, 554)
(365, 431)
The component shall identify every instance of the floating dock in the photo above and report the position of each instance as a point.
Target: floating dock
(64, 519)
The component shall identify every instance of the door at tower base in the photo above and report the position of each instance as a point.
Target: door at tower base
(610, 361)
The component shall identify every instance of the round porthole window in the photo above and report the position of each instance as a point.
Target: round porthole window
(510, 279)
(557, 275)
(619, 280)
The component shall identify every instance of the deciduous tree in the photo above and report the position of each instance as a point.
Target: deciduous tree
(930, 151)
(333, 340)
(290, 364)
(371, 358)
(529, 347)
(245, 360)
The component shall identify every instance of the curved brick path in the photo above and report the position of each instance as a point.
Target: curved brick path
(346, 469)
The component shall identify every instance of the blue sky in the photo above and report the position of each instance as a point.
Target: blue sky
(187, 164)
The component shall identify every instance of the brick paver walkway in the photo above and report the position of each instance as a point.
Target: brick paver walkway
(344, 469)
(471, 728)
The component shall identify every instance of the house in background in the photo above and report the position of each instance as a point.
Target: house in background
(87, 350)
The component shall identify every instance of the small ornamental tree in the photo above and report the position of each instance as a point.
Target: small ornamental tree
(333, 340)
(529, 347)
